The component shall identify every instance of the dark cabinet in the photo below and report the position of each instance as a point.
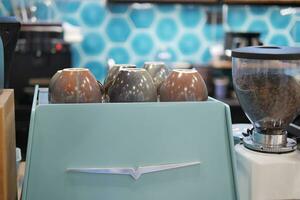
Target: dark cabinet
(167, 1)
(261, 2)
(258, 2)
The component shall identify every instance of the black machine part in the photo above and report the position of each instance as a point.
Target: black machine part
(9, 33)
(294, 129)
(241, 39)
(40, 52)
(267, 53)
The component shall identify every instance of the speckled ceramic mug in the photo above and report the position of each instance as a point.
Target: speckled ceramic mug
(158, 71)
(52, 81)
(183, 85)
(112, 74)
(74, 85)
(132, 85)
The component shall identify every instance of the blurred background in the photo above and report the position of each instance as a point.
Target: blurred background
(134, 33)
(95, 34)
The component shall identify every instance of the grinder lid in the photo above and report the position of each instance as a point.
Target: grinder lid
(267, 53)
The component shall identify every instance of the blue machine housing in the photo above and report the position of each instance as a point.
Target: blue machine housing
(130, 135)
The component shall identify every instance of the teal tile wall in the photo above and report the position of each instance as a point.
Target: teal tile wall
(134, 33)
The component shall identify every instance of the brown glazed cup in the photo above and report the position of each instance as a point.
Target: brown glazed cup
(52, 81)
(132, 85)
(112, 74)
(183, 85)
(158, 71)
(75, 85)
(54, 77)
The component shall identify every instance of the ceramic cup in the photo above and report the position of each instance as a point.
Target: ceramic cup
(75, 85)
(112, 74)
(54, 77)
(132, 85)
(183, 85)
(158, 71)
(52, 81)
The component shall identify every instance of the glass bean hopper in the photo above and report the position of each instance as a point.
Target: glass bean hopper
(267, 83)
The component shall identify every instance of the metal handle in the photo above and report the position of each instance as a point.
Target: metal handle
(135, 173)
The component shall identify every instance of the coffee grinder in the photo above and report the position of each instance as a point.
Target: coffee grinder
(267, 83)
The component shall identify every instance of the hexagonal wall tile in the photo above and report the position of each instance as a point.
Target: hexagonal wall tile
(189, 44)
(258, 10)
(162, 25)
(142, 17)
(259, 26)
(69, 7)
(75, 57)
(43, 12)
(237, 16)
(206, 57)
(119, 54)
(165, 8)
(142, 44)
(166, 29)
(167, 55)
(279, 39)
(295, 32)
(279, 21)
(97, 68)
(92, 14)
(213, 32)
(118, 29)
(7, 5)
(118, 8)
(71, 20)
(92, 44)
(190, 16)
(140, 63)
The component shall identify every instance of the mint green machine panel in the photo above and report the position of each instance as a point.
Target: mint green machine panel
(130, 135)
(1, 64)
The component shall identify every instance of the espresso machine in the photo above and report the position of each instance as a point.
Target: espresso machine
(267, 83)
(154, 150)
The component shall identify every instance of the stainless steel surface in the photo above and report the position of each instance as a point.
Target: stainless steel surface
(239, 129)
(270, 140)
(135, 173)
(267, 141)
(43, 28)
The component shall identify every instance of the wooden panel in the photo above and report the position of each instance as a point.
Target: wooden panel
(261, 2)
(20, 178)
(8, 177)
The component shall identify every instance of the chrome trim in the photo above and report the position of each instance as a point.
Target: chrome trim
(270, 140)
(295, 126)
(289, 146)
(135, 173)
(57, 29)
